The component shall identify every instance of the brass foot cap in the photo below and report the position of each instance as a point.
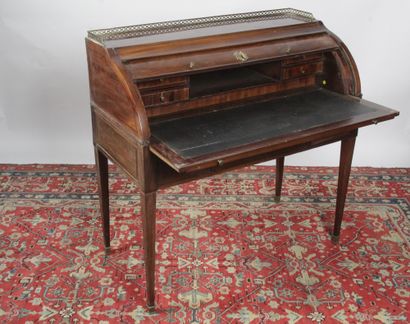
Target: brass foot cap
(335, 238)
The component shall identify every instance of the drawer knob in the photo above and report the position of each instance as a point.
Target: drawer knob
(241, 56)
(288, 50)
(191, 65)
(162, 97)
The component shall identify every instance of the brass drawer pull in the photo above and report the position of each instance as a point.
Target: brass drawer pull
(241, 56)
(162, 97)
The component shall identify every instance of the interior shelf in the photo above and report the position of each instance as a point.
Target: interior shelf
(213, 82)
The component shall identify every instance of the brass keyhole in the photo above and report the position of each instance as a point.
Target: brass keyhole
(240, 56)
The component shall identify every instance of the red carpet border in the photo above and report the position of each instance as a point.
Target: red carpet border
(226, 252)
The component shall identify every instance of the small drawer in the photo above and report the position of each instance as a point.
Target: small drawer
(166, 96)
(162, 83)
(301, 70)
(302, 59)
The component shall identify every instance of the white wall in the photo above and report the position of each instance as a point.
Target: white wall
(44, 110)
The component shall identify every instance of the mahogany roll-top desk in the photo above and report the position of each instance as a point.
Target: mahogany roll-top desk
(182, 100)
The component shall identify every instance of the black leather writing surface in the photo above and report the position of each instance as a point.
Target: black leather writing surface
(212, 132)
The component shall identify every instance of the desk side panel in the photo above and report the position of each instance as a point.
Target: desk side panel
(342, 74)
(118, 148)
(111, 91)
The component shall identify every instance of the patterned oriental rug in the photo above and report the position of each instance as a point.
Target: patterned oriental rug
(226, 252)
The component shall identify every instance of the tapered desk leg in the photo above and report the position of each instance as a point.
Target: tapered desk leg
(346, 155)
(148, 201)
(280, 161)
(148, 184)
(102, 178)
